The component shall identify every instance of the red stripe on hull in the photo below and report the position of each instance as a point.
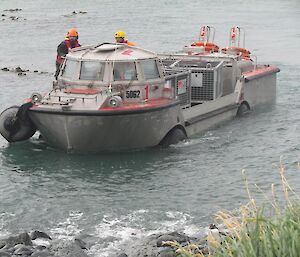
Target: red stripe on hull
(141, 105)
(82, 91)
(260, 71)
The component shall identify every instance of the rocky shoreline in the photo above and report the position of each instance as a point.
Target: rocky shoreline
(40, 244)
(163, 245)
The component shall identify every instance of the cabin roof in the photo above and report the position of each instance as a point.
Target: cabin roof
(110, 52)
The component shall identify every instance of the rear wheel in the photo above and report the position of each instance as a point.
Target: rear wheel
(243, 109)
(174, 136)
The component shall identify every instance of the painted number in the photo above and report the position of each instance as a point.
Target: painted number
(133, 94)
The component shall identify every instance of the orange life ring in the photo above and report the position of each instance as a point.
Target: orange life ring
(238, 50)
(208, 46)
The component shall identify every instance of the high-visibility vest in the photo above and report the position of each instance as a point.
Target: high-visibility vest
(59, 58)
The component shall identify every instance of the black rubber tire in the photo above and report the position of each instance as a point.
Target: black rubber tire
(243, 109)
(14, 129)
(173, 137)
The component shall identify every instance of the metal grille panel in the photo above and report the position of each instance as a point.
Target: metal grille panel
(205, 80)
(183, 97)
(204, 92)
(180, 81)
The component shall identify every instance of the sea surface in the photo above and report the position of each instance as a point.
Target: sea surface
(120, 197)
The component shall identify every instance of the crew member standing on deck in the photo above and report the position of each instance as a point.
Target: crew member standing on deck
(120, 38)
(71, 41)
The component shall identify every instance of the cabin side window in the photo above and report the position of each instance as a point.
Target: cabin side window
(124, 71)
(69, 69)
(150, 69)
(91, 70)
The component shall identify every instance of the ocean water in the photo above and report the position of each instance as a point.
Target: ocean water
(119, 197)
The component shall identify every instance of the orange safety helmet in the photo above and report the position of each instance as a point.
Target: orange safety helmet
(72, 33)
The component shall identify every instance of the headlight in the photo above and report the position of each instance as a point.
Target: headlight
(115, 101)
(36, 97)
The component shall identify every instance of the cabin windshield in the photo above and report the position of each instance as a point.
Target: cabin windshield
(69, 69)
(124, 71)
(91, 70)
(150, 69)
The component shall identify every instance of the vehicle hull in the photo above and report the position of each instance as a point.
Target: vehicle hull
(260, 90)
(105, 131)
(202, 117)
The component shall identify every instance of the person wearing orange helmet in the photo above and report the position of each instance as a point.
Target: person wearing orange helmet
(120, 38)
(71, 41)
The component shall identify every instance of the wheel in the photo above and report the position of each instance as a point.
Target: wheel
(12, 128)
(174, 136)
(243, 109)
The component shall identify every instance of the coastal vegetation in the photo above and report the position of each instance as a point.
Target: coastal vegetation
(253, 231)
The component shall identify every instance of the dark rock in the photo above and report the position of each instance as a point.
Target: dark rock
(4, 254)
(5, 69)
(44, 253)
(66, 249)
(2, 243)
(3, 15)
(21, 74)
(40, 247)
(88, 240)
(174, 236)
(18, 69)
(13, 10)
(14, 18)
(144, 247)
(24, 250)
(74, 12)
(35, 71)
(123, 255)
(25, 238)
(38, 234)
(14, 240)
(151, 246)
(167, 253)
(80, 243)
(18, 246)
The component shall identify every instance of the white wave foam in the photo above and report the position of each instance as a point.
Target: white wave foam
(5, 217)
(116, 232)
(41, 241)
(69, 228)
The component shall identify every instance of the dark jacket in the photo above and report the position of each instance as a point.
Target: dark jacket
(62, 51)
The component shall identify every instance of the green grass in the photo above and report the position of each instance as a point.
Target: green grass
(253, 233)
(266, 236)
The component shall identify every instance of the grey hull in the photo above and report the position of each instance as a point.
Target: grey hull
(103, 132)
(260, 91)
(202, 117)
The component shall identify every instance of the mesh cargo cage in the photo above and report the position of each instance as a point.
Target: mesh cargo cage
(206, 78)
(180, 81)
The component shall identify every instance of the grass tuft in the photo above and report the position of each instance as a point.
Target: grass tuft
(255, 234)
(252, 233)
